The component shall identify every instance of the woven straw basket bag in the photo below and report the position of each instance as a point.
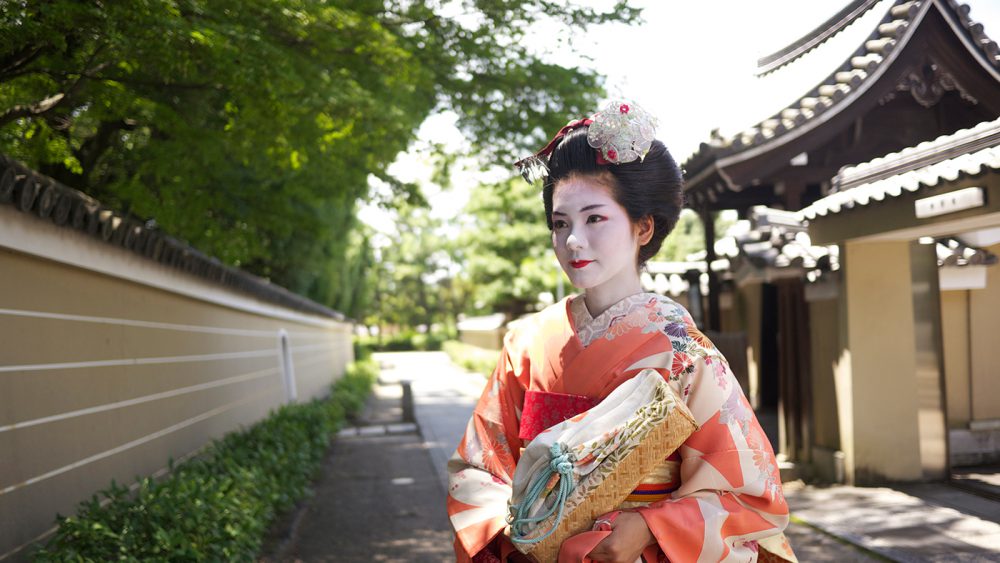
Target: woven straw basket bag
(648, 424)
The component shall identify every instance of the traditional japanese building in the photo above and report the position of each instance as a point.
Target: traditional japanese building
(843, 307)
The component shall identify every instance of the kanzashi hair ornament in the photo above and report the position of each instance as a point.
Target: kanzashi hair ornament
(621, 132)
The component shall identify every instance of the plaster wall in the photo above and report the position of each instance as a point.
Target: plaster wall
(984, 334)
(957, 368)
(876, 370)
(486, 339)
(103, 377)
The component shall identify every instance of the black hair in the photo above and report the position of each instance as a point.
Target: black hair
(650, 187)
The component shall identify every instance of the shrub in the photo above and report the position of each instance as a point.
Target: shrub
(219, 505)
(472, 358)
(403, 342)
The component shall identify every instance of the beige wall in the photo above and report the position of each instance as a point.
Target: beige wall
(984, 323)
(103, 378)
(487, 339)
(823, 346)
(955, 341)
(875, 370)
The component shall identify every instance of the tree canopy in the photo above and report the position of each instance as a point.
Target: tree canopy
(251, 128)
(507, 250)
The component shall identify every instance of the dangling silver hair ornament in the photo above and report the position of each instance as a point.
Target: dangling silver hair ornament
(621, 132)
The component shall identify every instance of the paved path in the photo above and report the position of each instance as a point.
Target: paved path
(444, 395)
(901, 526)
(381, 496)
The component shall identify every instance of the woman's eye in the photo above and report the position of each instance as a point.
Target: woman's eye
(595, 219)
(558, 224)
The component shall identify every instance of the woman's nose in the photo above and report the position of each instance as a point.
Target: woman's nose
(574, 242)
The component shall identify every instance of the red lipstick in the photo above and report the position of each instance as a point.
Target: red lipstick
(580, 263)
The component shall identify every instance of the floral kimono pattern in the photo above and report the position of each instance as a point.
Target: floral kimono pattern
(727, 492)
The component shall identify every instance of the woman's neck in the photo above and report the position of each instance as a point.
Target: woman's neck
(601, 298)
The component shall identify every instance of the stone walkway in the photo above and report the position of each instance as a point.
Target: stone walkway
(379, 497)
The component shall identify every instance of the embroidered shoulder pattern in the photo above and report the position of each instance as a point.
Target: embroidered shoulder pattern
(689, 344)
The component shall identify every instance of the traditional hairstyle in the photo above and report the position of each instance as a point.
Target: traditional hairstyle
(652, 186)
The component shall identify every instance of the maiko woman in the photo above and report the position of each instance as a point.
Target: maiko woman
(612, 194)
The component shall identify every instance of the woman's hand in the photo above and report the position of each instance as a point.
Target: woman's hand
(629, 536)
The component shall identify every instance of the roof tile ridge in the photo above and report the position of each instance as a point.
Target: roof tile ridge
(976, 31)
(851, 74)
(818, 36)
(34, 193)
(982, 136)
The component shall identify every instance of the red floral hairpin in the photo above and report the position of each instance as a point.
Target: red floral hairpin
(621, 132)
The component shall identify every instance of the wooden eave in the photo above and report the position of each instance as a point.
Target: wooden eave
(937, 30)
(828, 29)
(897, 213)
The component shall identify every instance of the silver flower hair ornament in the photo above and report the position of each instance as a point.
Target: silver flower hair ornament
(621, 132)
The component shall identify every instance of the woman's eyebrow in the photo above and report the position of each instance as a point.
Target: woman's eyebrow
(587, 208)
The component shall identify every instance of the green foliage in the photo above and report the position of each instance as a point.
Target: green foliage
(250, 128)
(412, 280)
(507, 251)
(407, 340)
(216, 507)
(472, 358)
(688, 236)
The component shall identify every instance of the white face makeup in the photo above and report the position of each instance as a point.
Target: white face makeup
(594, 238)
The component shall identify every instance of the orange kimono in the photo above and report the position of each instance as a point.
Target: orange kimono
(716, 497)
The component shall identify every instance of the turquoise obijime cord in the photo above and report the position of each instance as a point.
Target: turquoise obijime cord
(561, 464)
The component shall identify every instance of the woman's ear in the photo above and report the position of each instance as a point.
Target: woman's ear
(644, 230)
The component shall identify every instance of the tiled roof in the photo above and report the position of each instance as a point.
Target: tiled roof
(965, 153)
(891, 33)
(815, 38)
(775, 243)
(777, 240)
(37, 194)
(953, 252)
(673, 278)
(774, 239)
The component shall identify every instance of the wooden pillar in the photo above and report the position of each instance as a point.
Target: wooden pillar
(794, 393)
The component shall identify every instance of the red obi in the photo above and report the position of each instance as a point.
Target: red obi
(543, 410)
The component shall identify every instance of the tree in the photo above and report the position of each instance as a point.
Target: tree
(251, 128)
(507, 250)
(688, 236)
(412, 277)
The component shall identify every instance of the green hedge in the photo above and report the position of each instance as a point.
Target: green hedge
(472, 358)
(402, 342)
(218, 506)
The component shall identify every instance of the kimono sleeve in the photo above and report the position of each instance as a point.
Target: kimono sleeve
(482, 468)
(730, 493)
